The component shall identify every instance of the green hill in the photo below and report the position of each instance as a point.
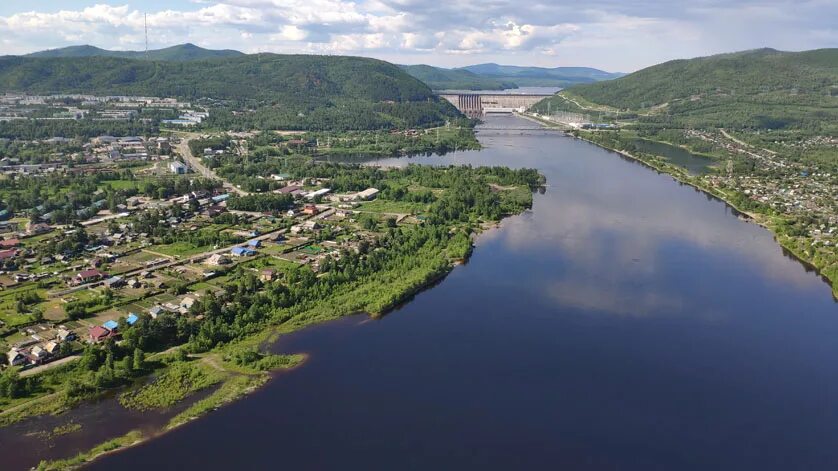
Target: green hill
(264, 91)
(182, 52)
(454, 79)
(762, 88)
(541, 76)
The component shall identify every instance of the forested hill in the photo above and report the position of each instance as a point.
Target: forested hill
(276, 91)
(455, 79)
(181, 52)
(797, 76)
(761, 88)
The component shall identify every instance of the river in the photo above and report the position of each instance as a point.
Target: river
(626, 322)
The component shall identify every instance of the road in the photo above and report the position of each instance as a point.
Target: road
(152, 269)
(198, 166)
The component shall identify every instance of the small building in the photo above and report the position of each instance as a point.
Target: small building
(178, 168)
(89, 276)
(7, 254)
(132, 318)
(367, 194)
(99, 333)
(267, 275)
(310, 209)
(156, 311)
(187, 302)
(291, 189)
(320, 192)
(37, 228)
(65, 335)
(217, 260)
(37, 355)
(15, 357)
(9, 243)
(52, 347)
(111, 325)
(115, 282)
(255, 243)
(242, 252)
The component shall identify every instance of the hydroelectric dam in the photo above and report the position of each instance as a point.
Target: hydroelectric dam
(478, 104)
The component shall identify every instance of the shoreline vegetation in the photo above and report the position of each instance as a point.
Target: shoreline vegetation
(223, 355)
(681, 175)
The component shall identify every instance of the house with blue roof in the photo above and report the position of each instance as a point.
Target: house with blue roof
(111, 325)
(132, 319)
(255, 243)
(242, 251)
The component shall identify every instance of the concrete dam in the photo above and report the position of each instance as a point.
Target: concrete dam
(478, 104)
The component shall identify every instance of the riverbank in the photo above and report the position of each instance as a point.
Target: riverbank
(682, 176)
(243, 382)
(398, 263)
(660, 164)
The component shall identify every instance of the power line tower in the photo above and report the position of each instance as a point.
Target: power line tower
(145, 23)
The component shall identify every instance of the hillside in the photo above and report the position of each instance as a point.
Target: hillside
(541, 76)
(762, 88)
(182, 52)
(269, 90)
(454, 79)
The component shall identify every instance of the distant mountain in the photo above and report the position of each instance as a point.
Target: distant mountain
(182, 52)
(278, 91)
(454, 79)
(540, 76)
(576, 74)
(762, 88)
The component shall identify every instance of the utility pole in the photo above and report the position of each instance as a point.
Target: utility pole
(145, 22)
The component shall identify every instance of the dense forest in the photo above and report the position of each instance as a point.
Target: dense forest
(181, 52)
(261, 91)
(455, 79)
(760, 89)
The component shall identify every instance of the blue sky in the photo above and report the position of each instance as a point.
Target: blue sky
(615, 35)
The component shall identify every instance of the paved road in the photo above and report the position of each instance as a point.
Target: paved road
(198, 166)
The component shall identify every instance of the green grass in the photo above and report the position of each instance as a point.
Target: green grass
(119, 184)
(175, 383)
(179, 249)
(128, 439)
(386, 206)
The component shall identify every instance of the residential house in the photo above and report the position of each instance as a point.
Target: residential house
(89, 276)
(217, 259)
(65, 335)
(99, 333)
(9, 243)
(15, 357)
(111, 325)
(242, 252)
(267, 275)
(178, 168)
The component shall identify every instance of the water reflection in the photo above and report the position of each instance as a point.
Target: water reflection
(626, 322)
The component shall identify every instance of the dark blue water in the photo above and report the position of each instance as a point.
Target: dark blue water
(694, 163)
(625, 323)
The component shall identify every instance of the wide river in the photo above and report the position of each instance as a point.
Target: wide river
(627, 322)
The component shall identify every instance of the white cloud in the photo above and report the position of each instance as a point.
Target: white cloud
(611, 34)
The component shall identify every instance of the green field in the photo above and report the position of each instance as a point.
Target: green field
(386, 206)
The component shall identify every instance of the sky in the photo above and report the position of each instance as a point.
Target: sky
(613, 35)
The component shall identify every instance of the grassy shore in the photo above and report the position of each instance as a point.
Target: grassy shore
(234, 379)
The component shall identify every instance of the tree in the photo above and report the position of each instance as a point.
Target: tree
(139, 359)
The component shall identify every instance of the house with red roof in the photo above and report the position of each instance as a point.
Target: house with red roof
(9, 243)
(7, 254)
(99, 333)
